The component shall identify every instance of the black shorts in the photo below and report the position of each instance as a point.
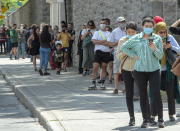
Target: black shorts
(15, 44)
(65, 49)
(102, 57)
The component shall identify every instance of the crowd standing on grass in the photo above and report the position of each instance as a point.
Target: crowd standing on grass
(146, 58)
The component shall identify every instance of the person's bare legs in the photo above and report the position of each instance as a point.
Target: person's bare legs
(116, 83)
(110, 71)
(34, 62)
(94, 75)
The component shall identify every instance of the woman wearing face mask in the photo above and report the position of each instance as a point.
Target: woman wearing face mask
(127, 66)
(169, 82)
(88, 47)
(148, 50)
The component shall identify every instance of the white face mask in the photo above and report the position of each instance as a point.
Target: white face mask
(122, 26)
(102, 26)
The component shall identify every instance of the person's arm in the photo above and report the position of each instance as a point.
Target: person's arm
(119, 54)
(174, 29)
(128, 48)
(96, 41)
(174, 45)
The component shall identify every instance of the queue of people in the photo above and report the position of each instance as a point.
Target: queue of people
(144, 58)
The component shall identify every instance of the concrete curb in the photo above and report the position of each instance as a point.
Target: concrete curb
(46, 118)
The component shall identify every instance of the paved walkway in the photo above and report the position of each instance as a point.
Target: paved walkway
(13, 115)
(64, 103)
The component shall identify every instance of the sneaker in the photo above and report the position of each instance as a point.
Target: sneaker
(145, 124)
(58, 72)
(161, 124)
(132, 121)
(99, 81)
(46, 73)
(35, 69)
(171, 118)
(153, 122)
(93, 86)
(84, 73)
(40, 72)
(102, 87)
(115, 91)
(15, 57)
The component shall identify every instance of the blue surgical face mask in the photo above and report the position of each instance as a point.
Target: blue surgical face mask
(148, 31)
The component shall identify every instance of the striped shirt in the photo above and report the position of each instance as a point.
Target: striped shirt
(147, 59)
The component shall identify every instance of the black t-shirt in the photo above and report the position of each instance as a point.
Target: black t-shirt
(175, 30)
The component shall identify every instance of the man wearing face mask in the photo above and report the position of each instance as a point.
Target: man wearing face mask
(102, 54)
(116, 35)
(147, 48)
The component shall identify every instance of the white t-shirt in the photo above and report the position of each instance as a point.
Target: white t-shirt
(97, 36)
(116, 35)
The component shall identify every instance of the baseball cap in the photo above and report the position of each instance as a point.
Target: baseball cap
(158, 19)
(120, 19)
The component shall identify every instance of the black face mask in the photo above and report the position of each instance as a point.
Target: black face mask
(63, 30)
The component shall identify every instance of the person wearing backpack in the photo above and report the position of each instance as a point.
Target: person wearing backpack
(102, 54)
(88, 47)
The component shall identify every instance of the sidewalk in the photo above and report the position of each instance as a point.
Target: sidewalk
(63, 103)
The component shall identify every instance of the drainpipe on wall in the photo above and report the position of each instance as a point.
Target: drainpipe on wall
(65, 7)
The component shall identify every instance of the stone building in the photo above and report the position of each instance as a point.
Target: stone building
(33, 12)
(80, 11)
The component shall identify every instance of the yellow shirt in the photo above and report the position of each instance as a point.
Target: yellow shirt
(64, 38)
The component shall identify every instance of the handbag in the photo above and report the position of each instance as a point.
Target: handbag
(122, 63)
(171, 56)
(176, 67)
(87, 41)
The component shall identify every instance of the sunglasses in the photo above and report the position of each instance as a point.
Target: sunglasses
(162, 32)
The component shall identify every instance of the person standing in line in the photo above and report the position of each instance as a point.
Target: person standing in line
(80, 50)
(22, 41)
(175, 29)
(88, 47)
(14, 41)
(126, 68)
(8, 40)
(102, 55)
(34, 45)
(116, 35)
(147, 48)
(169, 82)
(2, 40)
(45, 48)
(71, 31)
(65, 38)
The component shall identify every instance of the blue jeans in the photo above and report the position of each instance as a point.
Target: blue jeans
(21, 49)
(9, 45)
(44, 58)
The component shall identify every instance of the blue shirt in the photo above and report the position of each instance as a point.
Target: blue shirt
(147, 59)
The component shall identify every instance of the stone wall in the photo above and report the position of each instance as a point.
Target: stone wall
(33, 12)
(84, 10)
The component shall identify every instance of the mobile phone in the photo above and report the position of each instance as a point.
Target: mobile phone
(150, 41)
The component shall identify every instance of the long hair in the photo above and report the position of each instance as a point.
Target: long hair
(45, 35)
(34, 29)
